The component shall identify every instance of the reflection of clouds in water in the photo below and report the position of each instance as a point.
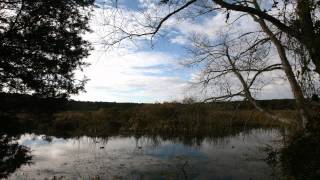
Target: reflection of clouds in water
(173, 150)
(32, 140)
(127, 156)
(240, 158)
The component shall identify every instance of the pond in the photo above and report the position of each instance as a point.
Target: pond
(239, 156)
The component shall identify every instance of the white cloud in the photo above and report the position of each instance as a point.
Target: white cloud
(210, 27)
(134, 74)
(129, 73)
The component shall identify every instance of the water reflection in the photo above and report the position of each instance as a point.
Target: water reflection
(118, 157)
(12, 156)
(299, 159)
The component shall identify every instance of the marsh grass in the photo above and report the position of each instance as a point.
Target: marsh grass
(168, 118)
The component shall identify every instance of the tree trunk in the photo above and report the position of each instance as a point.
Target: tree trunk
(306, 35)
(248, 94)
(309, 37)
(295, 87)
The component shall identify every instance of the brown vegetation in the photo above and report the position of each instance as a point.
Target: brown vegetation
(168, 118)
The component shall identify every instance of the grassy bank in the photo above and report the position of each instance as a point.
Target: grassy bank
(167, 118)
(23, 112)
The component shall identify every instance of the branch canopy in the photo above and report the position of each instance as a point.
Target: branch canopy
(41, 46)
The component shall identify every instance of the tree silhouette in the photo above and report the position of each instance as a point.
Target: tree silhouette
(41, 46)
(12, 156)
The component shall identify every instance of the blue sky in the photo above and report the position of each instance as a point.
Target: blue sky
(146, 71)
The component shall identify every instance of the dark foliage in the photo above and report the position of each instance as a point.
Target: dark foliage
(12, 103)
(301, 158)
(12, 156)
(298, 159)
(41, 46)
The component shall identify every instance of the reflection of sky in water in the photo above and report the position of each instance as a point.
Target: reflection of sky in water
(169, 150)
(231, 158)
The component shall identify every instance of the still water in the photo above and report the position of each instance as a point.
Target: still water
(239, 156)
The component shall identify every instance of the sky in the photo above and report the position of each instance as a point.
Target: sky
(149, 71)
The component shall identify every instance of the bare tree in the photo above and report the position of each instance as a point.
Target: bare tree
(298, 19)
(234, 67)
(289, 27)
(295, 87)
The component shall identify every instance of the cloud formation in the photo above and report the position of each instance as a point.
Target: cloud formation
(132, 76)
(134, 72)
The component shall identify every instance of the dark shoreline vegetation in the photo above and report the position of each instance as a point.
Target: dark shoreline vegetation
(59, 116)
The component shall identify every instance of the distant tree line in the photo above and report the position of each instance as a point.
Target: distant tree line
(27, 103)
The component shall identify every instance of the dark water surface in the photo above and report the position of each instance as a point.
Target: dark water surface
(239, 156)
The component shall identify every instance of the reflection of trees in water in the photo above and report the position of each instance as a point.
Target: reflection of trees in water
(301, 158)
(298, 159)
(12, 156)
(193, 140)
(217, 137)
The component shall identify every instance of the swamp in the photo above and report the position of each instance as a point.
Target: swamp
(160, 89)
(83, 140)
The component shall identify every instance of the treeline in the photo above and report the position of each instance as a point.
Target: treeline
(59, 116)
(25, 103)
(12, 102)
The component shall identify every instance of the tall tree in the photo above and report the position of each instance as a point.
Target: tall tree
(303, 24)
(290, 27)
(41, 46)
